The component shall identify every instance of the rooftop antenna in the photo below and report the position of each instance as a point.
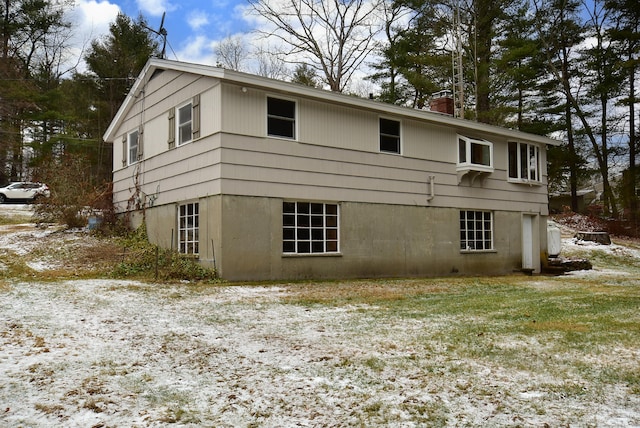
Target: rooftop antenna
(458, 75)
(162, 32)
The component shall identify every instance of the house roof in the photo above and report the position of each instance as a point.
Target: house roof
(249, 80)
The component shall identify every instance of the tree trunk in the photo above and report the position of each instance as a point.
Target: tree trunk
(633, 201)
(573, 168)
(484, 16)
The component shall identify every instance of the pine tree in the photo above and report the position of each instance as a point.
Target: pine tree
(626, 33)
(117, 59)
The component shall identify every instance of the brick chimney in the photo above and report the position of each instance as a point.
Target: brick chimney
(442, 102)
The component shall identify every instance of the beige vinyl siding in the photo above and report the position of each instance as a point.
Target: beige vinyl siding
(296, 170)
(335, 158)
(211, 111)
(423, 141)
(155, 132)
(173, 176)
(244, 112)
(163, 92)
(336, 126)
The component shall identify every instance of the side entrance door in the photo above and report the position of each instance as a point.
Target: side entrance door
(528, 242)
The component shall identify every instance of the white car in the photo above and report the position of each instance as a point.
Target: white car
(23, 191)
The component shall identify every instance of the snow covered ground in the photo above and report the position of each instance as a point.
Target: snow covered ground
(112, 353)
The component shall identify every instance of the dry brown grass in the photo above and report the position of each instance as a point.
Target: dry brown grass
(372, 291)
(55, 253)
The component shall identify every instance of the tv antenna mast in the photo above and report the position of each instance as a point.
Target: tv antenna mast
(458, 72)
(162, 32)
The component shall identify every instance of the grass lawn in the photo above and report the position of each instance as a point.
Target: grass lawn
(504, 351)
(93, 351)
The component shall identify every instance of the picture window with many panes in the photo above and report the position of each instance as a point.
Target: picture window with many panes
(476, 230)
(310, 228)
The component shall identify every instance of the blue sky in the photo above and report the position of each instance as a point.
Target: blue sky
(193, 26)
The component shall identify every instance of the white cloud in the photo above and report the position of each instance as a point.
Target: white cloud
(197, 19)
(219, 4)
(198, 49)
(155, 7)
(90, 20)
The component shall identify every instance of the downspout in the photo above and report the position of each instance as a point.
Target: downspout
(432, 186)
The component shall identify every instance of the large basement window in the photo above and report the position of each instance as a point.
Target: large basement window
(188, 228)
(476, 230)
(309, 228)
(281, 118)
(524, 162)
(185, 120)
(389, 136)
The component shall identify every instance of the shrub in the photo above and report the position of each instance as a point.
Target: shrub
(143, 260)
(71, 191)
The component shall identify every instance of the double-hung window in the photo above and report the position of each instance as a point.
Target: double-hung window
(476, 230)
(389, 136)
(475, 154)
(281, 118)
(133, 140)
(188, 228)
(309, 228)
(524, 162)
(184, 123)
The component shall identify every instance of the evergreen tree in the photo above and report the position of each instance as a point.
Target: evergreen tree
(416, 60)
(33, 42)
(626, 33)
(305, 75)
(560, 32)
(117, 59)
(518, 67)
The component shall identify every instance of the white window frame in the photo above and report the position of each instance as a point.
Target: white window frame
(382, 135)
(531, 167)
(189, 228)
(476, 231)
(467, 163)
(293, 120)
(310, 228)
(187, 123)
(133, 149)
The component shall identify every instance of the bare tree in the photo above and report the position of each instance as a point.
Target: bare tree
(268, 64)
(332, 36)
(231, 53)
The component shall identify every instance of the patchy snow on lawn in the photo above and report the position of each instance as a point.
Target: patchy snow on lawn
(113, 353)
(21, 239)
(122, 353)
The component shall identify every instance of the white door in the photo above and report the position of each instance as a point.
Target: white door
(527, 242)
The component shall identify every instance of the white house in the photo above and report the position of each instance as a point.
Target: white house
(267, 180)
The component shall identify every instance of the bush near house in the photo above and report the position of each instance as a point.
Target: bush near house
(143, 260)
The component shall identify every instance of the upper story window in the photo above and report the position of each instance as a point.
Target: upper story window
(524, 162)
(184, 123)
(281, 118)
(133, 140)
(474, 153)
(389, 136)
